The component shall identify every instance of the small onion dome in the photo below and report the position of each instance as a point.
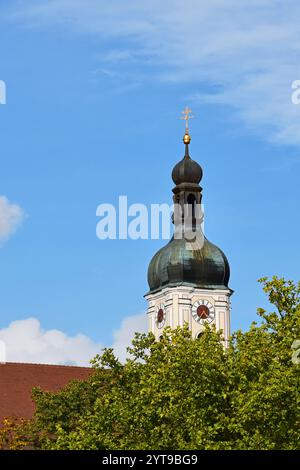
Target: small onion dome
(187, 170)
(176, 264)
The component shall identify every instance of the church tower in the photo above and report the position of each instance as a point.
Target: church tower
(188, 278)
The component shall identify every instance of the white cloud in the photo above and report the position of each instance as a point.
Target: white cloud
(124, 335)
(248, 49)
(11, 215)
(26, 341)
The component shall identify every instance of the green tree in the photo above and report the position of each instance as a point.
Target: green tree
(184, 393)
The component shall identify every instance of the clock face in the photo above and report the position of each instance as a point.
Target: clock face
(203, 311)
(160, 315)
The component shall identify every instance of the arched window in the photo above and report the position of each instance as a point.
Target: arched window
(191, 200)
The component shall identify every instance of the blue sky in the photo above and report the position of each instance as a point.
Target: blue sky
(94, 94)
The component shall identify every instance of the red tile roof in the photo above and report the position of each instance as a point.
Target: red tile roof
(17, 381)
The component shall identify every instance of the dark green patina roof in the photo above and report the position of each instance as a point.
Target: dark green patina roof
(175, 264)
(187, 171)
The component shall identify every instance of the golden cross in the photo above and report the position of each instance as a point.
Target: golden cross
(187, 114)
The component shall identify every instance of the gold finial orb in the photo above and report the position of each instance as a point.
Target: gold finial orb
(186, 138)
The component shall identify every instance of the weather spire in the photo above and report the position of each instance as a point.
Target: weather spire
(187, 114)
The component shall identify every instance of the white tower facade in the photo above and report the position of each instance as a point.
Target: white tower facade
(176, 306)
(188, 278)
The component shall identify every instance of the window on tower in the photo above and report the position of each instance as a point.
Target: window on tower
(191, 200)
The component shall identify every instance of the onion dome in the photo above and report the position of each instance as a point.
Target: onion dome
(204, 265)
(187, 170)
(176, 264)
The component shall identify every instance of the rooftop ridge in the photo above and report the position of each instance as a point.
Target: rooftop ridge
(43, 365)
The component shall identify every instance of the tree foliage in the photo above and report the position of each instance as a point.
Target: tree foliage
(13, 435)
(184, 393)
